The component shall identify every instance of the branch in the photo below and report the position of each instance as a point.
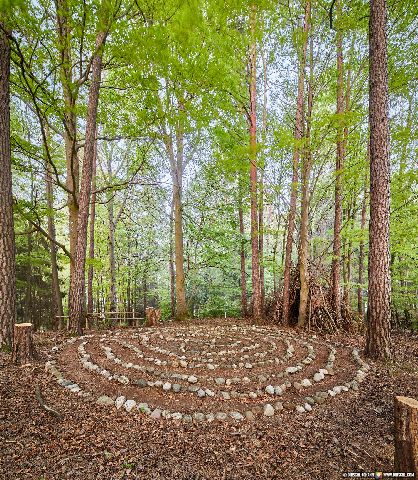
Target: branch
(43, 404)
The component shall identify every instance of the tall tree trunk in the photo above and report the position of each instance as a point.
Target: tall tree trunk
(304, 222)
(261, 183)
(112, 261)
(181, 305)
(171, 265)
(70, 122)
(378, 339)
(336, 260)
(360, 303)
(244, 306)
(255, 261)
(78, 281)
(295, 166)
(7, 236)
(90, 273)
(57, 309)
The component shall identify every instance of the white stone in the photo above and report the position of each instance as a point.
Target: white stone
(129, 405)
(300, 409)
(318, 376)
(306, 382)
(270, 389)
(307, 407)
(278, 390)
(167, 386)
(268, 410)
(192, 379)
(236, 416)
(120, 401)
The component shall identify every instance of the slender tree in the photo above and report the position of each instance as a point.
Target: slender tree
(7, 238)
(255, 260)
(298, 133)
(336, 259)
(378, 338)
(304, 221)
(76, 301)
(90, 272)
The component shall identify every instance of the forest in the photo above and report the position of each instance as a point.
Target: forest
(198, 175)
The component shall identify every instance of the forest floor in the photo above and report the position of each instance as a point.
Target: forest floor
(351, 433)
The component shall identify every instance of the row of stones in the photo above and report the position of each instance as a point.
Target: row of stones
(267, 409)
(202, 392)
(242, 361)
(219, 381)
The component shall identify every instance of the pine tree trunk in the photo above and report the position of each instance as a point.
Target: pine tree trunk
(78, 281)
(90, 273)
(378, 341)
(244, 306)
(7, 237)
(255, 261)
(336, 261)
(295, 166)
(304, 222)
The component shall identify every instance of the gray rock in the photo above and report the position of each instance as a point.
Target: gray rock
(219, 381)
(270, 389)
(210, 417)
(199, 417)
(187, 418)
(221, 416)
(156, 414)
(236, 416)
(278, 406)
(176, 416)
(141, 383)
(167, 386)
(310, 400)
(192, 379)
(226, 395)
(104, 400)
(300, 409)
(201, 393)
(176, 387)
(268, 410)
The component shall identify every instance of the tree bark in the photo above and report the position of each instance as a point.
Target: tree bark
(171, 265)
(244, 305)
(339, 164)
(181, 305)
(57, 310)
(360, 303)
(261, 184)
(90, 273)
(406, 435)
(7, 237)
(255, 260)
(70, 122)
(295, 166)
(78, 281)
(304, 222)
(378, 340)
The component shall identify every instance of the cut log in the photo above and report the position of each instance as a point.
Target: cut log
(406, 435)
(152, 316)
(23, 346)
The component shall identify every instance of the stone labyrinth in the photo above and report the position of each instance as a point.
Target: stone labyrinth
(207, 373)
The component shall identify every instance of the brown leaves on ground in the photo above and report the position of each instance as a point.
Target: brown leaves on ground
(351, 432)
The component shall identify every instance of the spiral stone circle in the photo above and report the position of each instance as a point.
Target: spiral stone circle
(198, 373)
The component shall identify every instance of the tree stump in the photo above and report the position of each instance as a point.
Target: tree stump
(406, 435)
(23, 347)
(152, 316)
